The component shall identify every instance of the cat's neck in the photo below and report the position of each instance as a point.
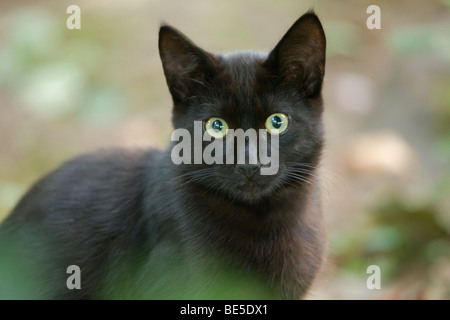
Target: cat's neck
(282, 210)
(275, 236)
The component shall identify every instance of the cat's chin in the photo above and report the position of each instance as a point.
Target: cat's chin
(249, 197)
(250, 193)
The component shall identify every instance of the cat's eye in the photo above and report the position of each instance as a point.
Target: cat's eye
(277, 123)
(216, 127)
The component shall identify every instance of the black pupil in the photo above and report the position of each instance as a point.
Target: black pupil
(277, 122)
(217, 125)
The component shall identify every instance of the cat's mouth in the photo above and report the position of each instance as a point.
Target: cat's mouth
(252, 188)
(248, 186)
(241, 185)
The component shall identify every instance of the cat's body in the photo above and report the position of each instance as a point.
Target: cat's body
(140, 226)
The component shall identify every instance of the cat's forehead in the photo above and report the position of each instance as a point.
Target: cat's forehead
(239, 80)
(242, 66)
(243, 57)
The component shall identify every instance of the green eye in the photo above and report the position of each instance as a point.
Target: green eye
(216, 127)
(277, 123)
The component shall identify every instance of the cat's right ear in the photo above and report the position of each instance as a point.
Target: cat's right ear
(185, 65)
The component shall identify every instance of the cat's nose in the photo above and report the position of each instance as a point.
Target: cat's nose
(248, 170)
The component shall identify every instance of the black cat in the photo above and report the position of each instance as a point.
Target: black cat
(139, 226)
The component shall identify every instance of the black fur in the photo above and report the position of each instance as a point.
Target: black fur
(139, 226)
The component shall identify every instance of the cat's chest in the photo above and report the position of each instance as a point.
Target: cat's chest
(255, 236)
(279, 241)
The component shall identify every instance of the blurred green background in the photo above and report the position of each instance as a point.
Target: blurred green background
(386, 167)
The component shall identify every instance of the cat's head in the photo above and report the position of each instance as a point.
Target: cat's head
(277, 93)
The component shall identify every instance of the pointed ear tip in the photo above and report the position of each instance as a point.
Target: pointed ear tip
(311, 19)
(310, 14)
(164, 27)
(167, 34)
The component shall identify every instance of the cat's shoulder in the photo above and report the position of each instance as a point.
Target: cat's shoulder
(126, 157)
(108, 171)
(109, 161)
(108, 179)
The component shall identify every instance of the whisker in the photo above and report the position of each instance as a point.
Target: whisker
(299, 178)
(301, 165)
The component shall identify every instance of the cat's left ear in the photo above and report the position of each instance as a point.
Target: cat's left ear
(299, 58)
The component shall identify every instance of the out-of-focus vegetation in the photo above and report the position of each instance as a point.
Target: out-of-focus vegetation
(387, 93)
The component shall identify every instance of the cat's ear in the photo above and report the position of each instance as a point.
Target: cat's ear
(185, 65)
(299, 58)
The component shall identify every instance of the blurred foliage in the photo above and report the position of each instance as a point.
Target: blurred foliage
(19, 277)
(343, 38)
(54, 72)
(420, 39)
(401, 238)
(408, 238)
(441, 106)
